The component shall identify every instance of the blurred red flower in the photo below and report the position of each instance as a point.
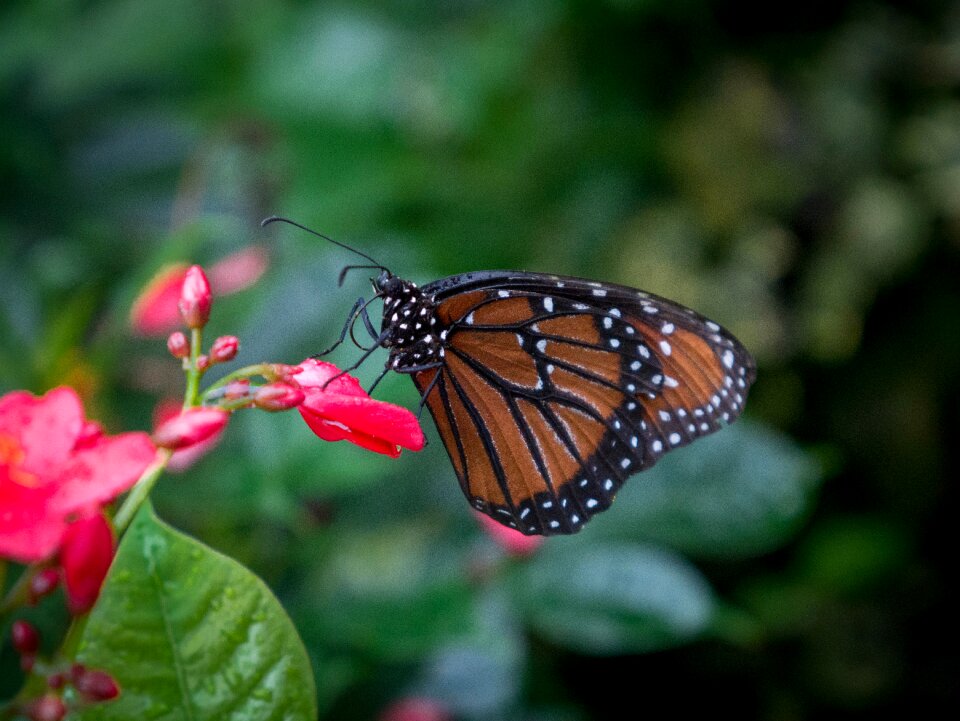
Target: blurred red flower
(415, 708)
(343, 411)
(155, 312)
(509, 539)
(56, 466)
(85, 555)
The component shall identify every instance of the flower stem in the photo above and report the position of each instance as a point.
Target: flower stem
(190, 397)
(138, 494)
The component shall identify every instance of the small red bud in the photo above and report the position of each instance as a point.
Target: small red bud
(203, 362)
(190, 427)
(96, 685)
(57, 680)
(278, 396)
(26, 640)
(237, 389)
(76, 671)
(178, 345)
(195, 298)
(43, 583)
(224, 349)
(47, 708)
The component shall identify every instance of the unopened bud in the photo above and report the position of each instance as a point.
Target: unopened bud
(86, 555)
(43, 583)
(47, 708)
(224, 349)
(237, 389)
(278, 396)
(57, 680)
(96, 685)
(26, 640)
(190, 427)
(178, 345)
(203, 362)
(195, 298)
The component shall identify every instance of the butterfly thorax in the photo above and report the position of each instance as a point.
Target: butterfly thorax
(409, 326)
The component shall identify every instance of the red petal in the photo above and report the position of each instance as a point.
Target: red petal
(28, 533)
(334, 431)
(99, 473)
(46, 428)
(315, 374)
(368, 417)
(155, 312)
(239, 270)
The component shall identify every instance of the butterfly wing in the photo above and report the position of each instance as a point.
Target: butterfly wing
(554, 390)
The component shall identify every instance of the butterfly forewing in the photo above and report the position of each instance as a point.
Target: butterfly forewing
(555, 390)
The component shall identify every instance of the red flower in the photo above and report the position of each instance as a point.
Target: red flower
(86, 555)
(416, 708)
(155, 312)
(509, 539)
(55, 466)
(344, 412)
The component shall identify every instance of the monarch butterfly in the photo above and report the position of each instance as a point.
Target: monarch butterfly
(549, 391)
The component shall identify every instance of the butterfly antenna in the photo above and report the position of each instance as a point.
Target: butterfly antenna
(276, 218)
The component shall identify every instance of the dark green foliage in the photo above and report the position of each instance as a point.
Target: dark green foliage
(792, 173)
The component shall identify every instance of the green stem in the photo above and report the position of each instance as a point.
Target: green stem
(138, 494)
(190, 397)
(259, 369)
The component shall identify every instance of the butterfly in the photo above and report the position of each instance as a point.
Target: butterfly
(548, 391)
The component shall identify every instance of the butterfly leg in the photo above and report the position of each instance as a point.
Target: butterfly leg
(369, 351)
(365, 317)
(351, 318)
(426, 393)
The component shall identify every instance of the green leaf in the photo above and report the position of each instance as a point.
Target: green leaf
(191, 634)
(739, 492)
(621, 598)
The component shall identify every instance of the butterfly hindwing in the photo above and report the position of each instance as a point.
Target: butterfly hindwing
(554, 390)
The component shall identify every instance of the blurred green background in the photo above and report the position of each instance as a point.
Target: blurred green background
(793, 172)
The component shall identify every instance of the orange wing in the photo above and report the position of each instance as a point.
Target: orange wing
(551, 396)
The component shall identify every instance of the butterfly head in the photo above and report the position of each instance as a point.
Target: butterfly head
(409, 320)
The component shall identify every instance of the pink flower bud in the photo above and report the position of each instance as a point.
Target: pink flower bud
(26, 640)
(237, 389)
(203, 362)
(47, 708)
(278, 396)
(178, 345)
(224, 349)
(193, 426)
(96, 685)
(195, 298)
(44, 583)
(86, 555)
